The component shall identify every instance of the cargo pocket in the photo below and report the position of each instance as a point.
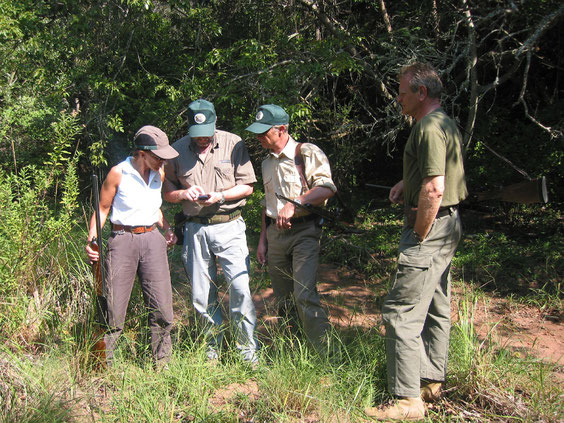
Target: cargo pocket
(410, 279)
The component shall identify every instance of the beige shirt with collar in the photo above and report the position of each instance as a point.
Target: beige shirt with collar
(227, 164)
(281, 176)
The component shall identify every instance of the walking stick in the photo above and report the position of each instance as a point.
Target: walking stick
(99, 348)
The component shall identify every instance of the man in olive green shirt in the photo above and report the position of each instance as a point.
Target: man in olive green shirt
(416, 310)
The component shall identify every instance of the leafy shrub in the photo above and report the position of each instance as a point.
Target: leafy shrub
(38, 207)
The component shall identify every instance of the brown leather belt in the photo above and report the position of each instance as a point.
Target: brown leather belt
(411, 214)
(133, 229)
(216, 218)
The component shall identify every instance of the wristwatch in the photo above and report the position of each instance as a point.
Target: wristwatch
(417, 237)
(222, 199)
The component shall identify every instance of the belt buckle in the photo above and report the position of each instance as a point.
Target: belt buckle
(139, 230)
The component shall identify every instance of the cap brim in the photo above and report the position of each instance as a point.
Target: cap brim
(166, 152)
(205, 130)
(259, 128)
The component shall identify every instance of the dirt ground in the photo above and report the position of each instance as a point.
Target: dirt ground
(355, 302)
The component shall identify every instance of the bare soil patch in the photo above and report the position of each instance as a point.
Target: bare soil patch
(354, 302)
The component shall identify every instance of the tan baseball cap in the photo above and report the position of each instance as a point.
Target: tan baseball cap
(155, 140)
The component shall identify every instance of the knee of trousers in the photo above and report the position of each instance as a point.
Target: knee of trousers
(162, 318)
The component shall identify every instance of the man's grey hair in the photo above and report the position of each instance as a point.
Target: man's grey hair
(422, 74)
(277, 127)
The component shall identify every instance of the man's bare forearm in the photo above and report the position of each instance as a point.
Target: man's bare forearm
(430, 198)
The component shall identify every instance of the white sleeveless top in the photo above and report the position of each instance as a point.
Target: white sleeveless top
(136, 203)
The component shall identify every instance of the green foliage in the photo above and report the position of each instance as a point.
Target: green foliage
(333, 67)
(368, 252)
(38, 208)
(252, 212)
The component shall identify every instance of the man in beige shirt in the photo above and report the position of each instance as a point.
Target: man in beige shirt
(211, 177)
(289, 238)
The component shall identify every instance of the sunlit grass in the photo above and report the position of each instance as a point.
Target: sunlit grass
(49, 377)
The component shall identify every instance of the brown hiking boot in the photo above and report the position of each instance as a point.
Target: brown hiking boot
(431, 391)
(401, 409)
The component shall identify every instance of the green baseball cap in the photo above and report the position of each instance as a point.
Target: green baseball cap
(268, 116)
(201, 118)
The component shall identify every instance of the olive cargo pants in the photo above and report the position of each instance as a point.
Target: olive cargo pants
(416, 310)
(293, 259)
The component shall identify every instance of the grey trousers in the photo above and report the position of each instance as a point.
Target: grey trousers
(293, 259)
(226, 243)
(416, 310)
(145, 255)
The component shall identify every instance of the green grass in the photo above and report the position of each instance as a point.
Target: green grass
(518, 255)
(45, 374)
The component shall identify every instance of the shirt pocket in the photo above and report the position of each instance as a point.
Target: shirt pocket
(224, 176)
(412, 273)
(188, 178)
(293, 184)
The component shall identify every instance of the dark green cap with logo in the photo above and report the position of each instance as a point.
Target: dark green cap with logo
(268, 116)
(201, 118)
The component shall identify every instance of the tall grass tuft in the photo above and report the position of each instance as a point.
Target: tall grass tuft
(489, 382)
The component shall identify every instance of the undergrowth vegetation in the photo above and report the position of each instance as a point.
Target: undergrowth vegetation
(78, 80)
(47, 315)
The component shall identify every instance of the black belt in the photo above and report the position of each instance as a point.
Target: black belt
(295, 220)
(445, 211)
(411, 213)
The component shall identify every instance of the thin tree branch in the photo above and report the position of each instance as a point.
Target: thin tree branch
(543, 26)
(386, 18)
(472, 76)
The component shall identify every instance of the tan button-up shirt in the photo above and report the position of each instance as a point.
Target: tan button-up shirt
(227, 164)
(281, 176)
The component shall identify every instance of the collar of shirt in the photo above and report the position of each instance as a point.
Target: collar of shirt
(128, 168)
(289, 149)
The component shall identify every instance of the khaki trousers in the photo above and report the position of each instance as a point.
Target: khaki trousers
(143, 255)
(293, 259)
(416, 310)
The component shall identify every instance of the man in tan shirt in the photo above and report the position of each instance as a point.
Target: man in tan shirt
(211, 177)
(289, 238)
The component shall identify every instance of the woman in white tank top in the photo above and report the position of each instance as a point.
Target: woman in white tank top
(132, 191)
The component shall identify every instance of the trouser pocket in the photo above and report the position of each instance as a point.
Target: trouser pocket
(410, 279)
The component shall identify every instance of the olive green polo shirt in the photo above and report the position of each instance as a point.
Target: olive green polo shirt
(434, 148)
(227, 164)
